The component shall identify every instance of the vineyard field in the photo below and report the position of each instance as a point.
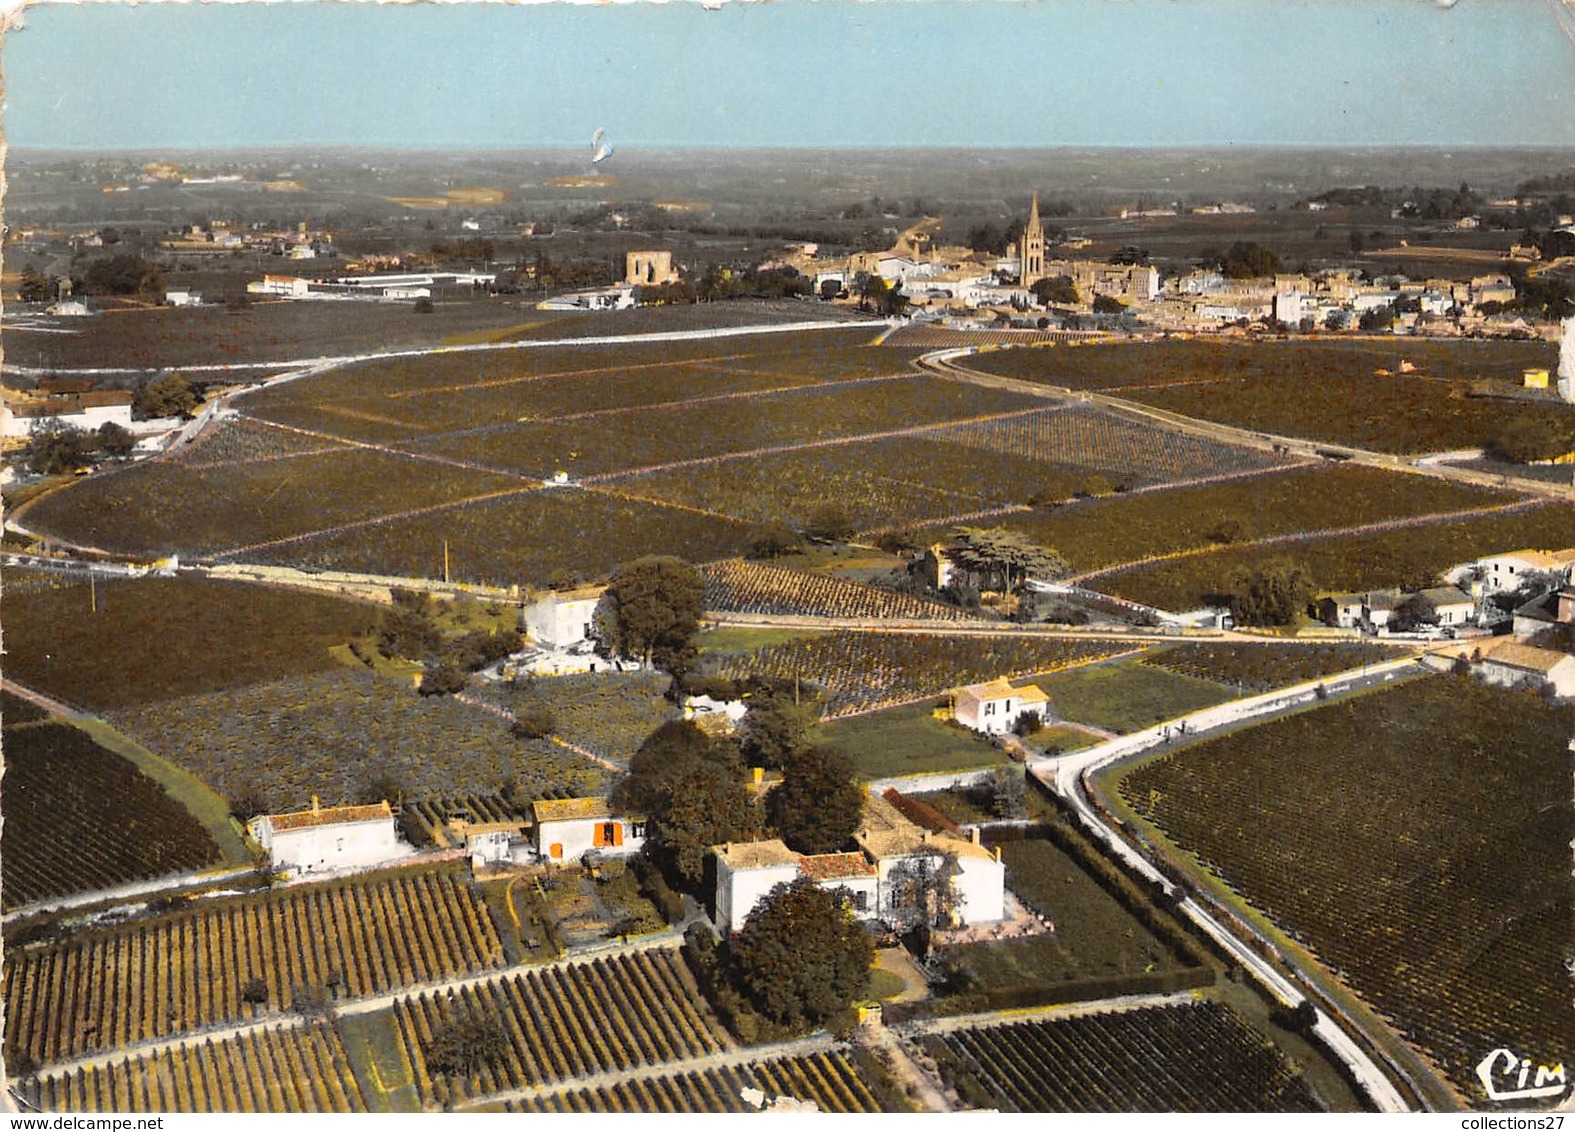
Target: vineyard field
(1199, 1057)
(240, 441)
(1250, 669)
(610, 714)
(336, 733)
(121, 826)
(1104, 532)
(863, 671)
(894, 481)
(1415, 839)
(242, 958)
(831, 352)
(1132, 453)
(162, 507)
(16, 711)
(1414, 557)
(564, 1021)
(527, 539)
(667, 434)
(283, 1069)
(830, 1080)
(1114, 367)
(192, 635)
(739, 586)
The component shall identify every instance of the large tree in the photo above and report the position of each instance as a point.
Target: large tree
(777, 722)
(651, 610)
(1272, 594)
(56, 448)
(1001, 558)
(819, 803)
(802, 958)
(167, 396)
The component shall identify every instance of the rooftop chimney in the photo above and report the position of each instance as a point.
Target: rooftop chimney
(314, 804)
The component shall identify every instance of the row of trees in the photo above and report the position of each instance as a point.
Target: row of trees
(57, 449)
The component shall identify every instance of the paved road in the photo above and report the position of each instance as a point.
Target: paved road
(1069, 776)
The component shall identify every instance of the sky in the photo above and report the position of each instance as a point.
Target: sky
(786, 73)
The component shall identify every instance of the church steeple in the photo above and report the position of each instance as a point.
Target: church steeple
(1032, 260)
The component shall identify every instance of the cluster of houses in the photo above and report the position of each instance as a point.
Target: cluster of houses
(896, 839)
(408, 285)
(300, 242)
(73, 402)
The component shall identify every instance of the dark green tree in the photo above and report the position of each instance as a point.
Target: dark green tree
(1246, 260)
(1272, 594)
(774, 539)
(114, 441)
(1003, 556)
(56, 448)
(802, 959)
(1056, 289)
(777, 722)
(167, 396)
(651, 610)
(34, 288)
(1108, 304)
(122, 275)
(673, 747)
(705, 804)
(465, 1044)
(819, 802)
(443, 678)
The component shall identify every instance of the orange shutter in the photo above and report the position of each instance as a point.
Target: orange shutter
(617, 832)
(555, 850)
(599, 835)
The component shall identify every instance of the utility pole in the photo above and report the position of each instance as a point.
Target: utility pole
(445, 562)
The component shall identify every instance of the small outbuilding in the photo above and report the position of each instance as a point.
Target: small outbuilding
(326, 838)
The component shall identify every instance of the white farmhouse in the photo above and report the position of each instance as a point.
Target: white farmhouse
(567, 828)
(994, 707)
(888, 843)
(1451, 605)
(560, 621)
(326, 838)
(745, 873)
(1511, 570)
(88, 411)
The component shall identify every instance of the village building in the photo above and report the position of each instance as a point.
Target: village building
(87, 410)
(649, 269)
(995, 707)
(1556, 607)
(567, 828)
(1513, 569)
(327, 838)
(1342, 611)
(890, 843)
(1451, 605)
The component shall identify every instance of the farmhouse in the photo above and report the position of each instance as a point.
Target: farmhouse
(87, 410)
(1342, 611)
(890, 845)
(490, 843)
(995, 707)
(1507, 664)
(560, 621)
(566, 828)
(1556, 607)
(325, 838)
(1513, 569)
(1451, 605)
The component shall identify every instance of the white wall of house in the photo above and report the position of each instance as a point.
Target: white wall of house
(995, 716)
(556, 623)
(320, 848)
(739, 890)
(980, 885)
(571, 839)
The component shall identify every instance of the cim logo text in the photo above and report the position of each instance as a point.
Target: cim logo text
(1508, 1077)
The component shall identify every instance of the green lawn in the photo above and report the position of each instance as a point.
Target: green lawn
(1128, 696)
(730, 639)
(1095, 935)
(907, 740)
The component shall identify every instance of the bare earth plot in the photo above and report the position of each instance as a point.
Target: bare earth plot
(1416, 840)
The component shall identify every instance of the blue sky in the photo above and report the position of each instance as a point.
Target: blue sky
(793, 73)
